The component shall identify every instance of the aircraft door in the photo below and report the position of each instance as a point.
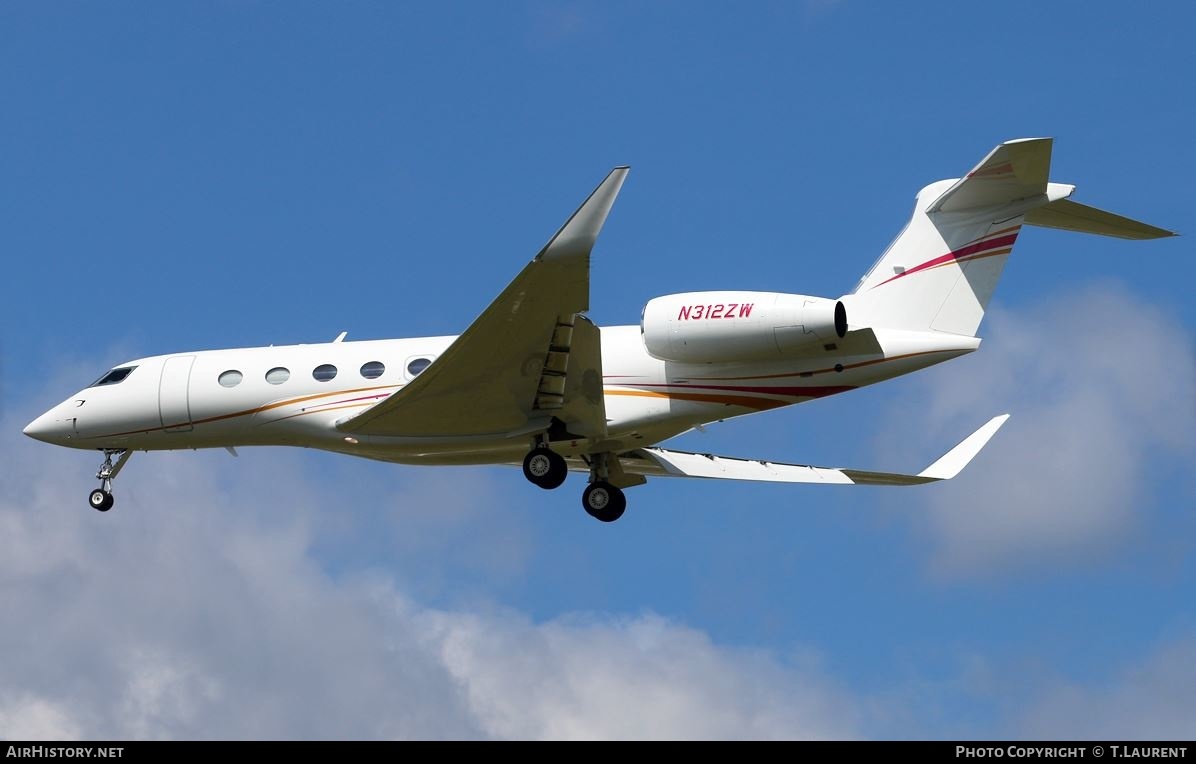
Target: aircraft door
(173, 404)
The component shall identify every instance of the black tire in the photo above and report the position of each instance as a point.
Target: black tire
(100, 500)
(545, 468)
(603, 501)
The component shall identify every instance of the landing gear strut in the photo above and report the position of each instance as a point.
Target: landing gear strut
(602, 500)
(545, 467)
(101, 498)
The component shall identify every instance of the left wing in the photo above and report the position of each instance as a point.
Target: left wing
(511, 370)
(658, 461)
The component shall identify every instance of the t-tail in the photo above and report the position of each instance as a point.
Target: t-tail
(940, 272)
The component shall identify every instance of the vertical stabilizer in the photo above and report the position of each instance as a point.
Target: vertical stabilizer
(940, 272)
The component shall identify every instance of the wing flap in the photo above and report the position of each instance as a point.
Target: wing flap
(665, 463)
(584, 407)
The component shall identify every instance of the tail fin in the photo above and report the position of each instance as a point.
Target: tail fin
(940, 272)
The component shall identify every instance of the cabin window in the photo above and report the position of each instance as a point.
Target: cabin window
(324, 372)
(373, 369)
(230, 378)
(278, 375)
(417, 365)
(114, 376)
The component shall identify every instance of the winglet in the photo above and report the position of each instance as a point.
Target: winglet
(580, 231)
(952, 462)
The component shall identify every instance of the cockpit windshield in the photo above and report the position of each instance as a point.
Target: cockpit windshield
(114, 376)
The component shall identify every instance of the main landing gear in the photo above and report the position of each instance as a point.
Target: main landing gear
(545, 468)
(101, 498)
(603, 501)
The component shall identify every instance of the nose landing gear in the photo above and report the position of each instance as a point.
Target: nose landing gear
(101, 498)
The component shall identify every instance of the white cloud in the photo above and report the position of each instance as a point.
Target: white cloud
(1100, 384)
(633, 678)
(32, 718)
(188, 613)
(1152, 700)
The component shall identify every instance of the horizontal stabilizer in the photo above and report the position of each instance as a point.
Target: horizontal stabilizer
(660, 462)
(1073, 216)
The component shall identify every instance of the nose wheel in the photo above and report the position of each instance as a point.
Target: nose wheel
(101, 498)
(545, 468)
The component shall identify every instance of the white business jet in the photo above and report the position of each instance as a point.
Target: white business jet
(533, 380)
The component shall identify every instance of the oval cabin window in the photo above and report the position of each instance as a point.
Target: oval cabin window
(373, 369)
(324, 372)
(418, 365)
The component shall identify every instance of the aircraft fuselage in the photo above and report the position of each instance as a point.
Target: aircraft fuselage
(294, 395)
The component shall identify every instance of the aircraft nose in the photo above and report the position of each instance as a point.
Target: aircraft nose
(38, 428)
(46, 428)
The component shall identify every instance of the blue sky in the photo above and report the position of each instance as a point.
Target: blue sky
(201, 175)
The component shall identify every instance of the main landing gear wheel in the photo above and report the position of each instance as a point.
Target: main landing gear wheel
(604, 501)
(101, 500)
(545, 468)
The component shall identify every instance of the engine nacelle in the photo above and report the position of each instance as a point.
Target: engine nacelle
(725, 327)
